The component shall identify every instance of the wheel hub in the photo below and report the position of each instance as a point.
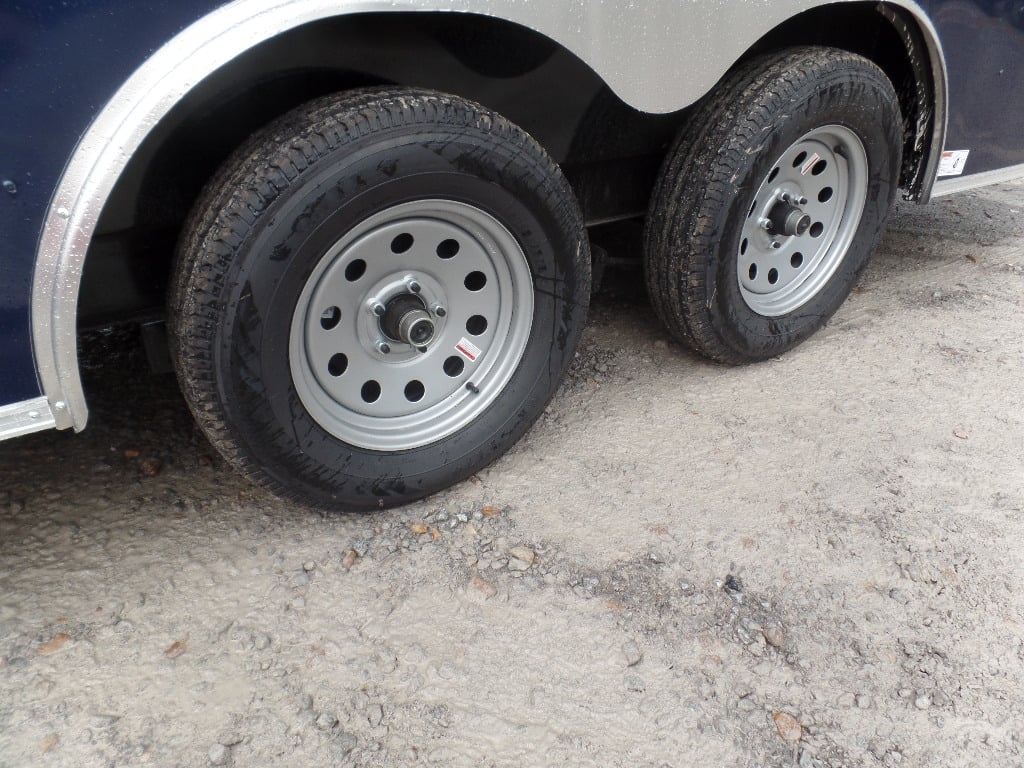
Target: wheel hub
(788, 219)
(802, 219)
(406, 320)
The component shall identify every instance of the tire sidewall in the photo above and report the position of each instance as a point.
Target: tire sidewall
(283, 249)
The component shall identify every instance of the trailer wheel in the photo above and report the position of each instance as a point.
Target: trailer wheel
(771, 201)
(377, 296)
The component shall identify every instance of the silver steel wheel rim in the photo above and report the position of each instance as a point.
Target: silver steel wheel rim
(820, 181)
(444, 264)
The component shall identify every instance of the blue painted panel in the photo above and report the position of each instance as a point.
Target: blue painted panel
(984, 46)
(60, 62)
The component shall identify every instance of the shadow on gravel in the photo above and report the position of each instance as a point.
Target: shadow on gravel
(140, 428)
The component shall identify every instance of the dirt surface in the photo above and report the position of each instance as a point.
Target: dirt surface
(814, 561)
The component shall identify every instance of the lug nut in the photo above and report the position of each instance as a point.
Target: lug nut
(776, 244)
(765, 224)
(438, 310)
(414, 286)
(377, 308)
(383, 347)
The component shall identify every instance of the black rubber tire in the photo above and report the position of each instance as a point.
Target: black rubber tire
(265, 221)
(715, 167)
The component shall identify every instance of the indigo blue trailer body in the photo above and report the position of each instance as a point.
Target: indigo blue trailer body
(365, 221)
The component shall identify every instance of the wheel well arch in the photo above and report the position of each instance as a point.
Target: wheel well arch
(153, 186)
(894, 39)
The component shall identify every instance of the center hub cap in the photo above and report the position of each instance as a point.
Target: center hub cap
(408, 321)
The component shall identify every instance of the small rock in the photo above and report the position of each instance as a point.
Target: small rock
(788, 727)
(484, 587)
(863, 701)
(900, 596)
(375, 715)
(49, 743)
(686, 587)
(309, 566)
(176, 649)
(773, 636)
(325, 721)
(525, 554)
(847, 700)
(349, 559)
(151, 467)
(421, 528)
(300, 579)
(53, 645)
(217, 754)
(230, 738)
(634, 683)
(923, 701)
(632, 653)
(733, 587)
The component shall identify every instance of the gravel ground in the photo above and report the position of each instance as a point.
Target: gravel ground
(809, 562)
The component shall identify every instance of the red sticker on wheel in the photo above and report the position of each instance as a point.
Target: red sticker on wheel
(468, 349)
(810, 164)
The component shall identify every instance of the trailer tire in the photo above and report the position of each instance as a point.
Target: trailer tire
(376, 296)
(770, 202)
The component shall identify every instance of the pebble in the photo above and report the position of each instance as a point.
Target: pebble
(308, 566)
(686, 587)
(484, 587)
(375, 715)
(863, 701)
(218, 754)
(632, 653)
(300, 579)
(525, 554)
(923, 701)
(773, 636)
(345, 743)
(515, 564)
(634, 683)
(325, 721)
(846, 700)
(788, 727)
(900, 596)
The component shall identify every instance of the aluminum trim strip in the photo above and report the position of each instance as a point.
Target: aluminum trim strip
(25, 417)
(641, 61)
(973, 181)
